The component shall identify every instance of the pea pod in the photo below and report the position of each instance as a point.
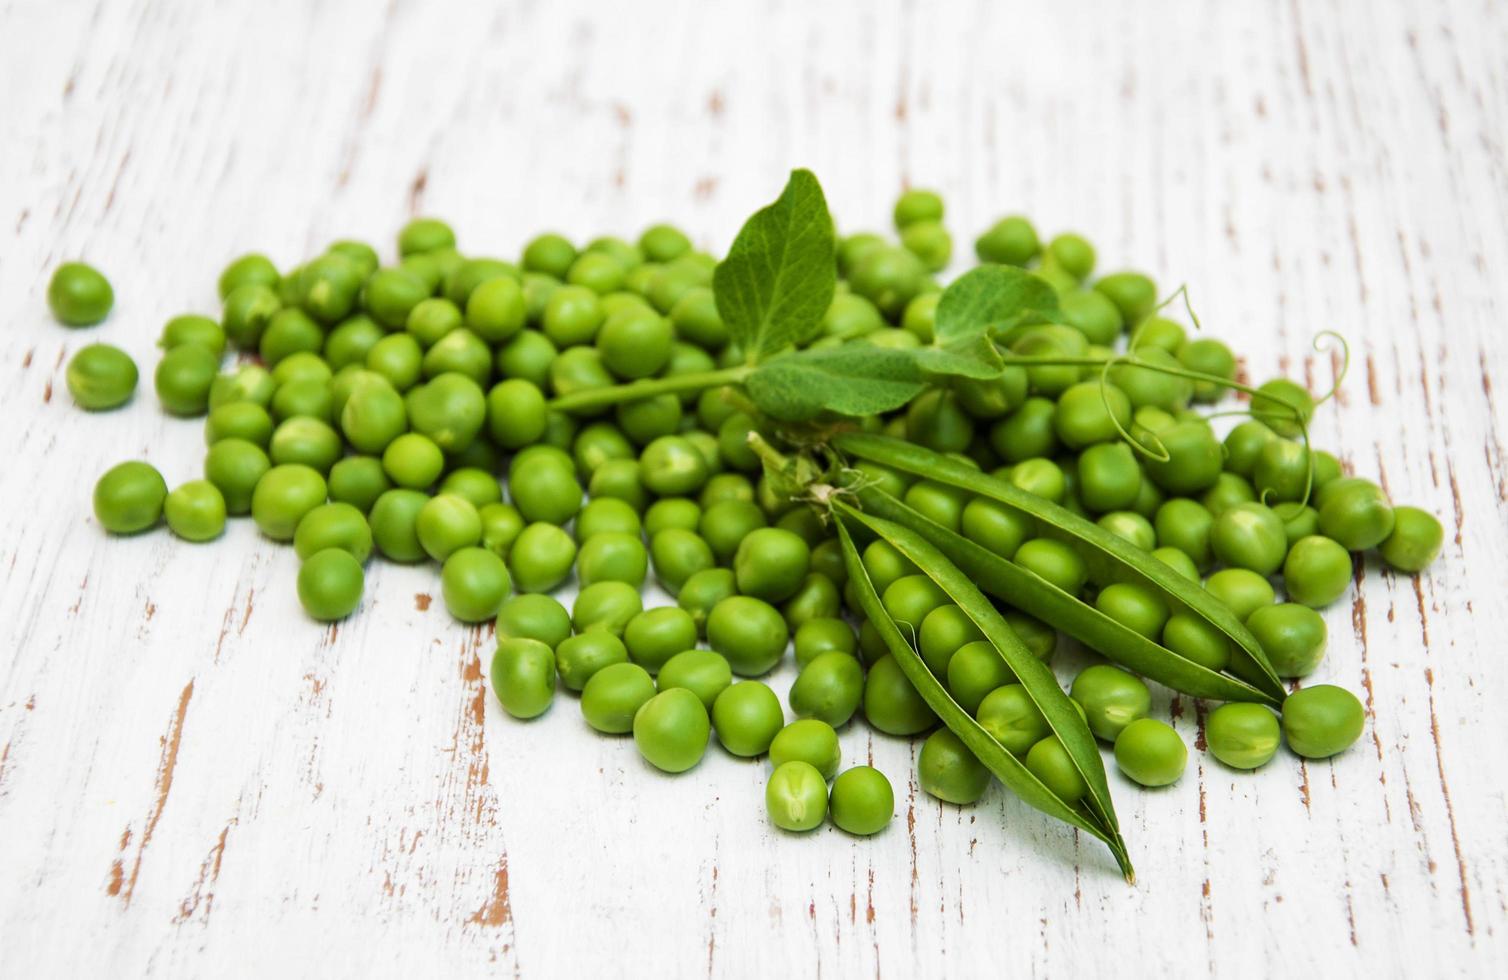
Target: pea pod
(1109, 557)
(1097, 816)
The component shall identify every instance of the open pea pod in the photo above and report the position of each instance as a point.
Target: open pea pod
(1109, 555)
(1097, 816)
(1035, 595)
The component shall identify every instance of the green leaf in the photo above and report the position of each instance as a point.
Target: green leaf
(778, 278)
(993, 298)
(855, 380)
(968, 356)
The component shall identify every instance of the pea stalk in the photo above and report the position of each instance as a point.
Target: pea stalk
(676, 384)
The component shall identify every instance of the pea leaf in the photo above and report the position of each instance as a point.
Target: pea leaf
(993, 298)
(778, 278)
(855, 379)
(969, 356)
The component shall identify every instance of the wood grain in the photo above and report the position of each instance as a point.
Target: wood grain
(196, 780)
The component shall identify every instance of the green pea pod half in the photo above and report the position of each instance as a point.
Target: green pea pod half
(1096, 815)
(1109, 558)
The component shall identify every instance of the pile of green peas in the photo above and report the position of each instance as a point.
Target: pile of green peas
(404, 410)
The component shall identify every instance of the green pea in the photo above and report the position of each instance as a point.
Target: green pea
(307, 441)
(1039, 638)
(1010, 241)
(598, 272)
(495, 309)
(460, 352)
(1131, 526)
(634, 343)
(796, 797)
(1086, 414)
(195, 511)
(807, 740)
(1194, 458)
(1109, 477)
(1195, 639)
(446, 524)
(992, 525)
(1092, 314)
(612, 556)
(678, 554)
(391, 294)
(770, 563)
(945, 504)
(1227, 491)
(330, 584)
(749, 632)
(1012, 718)
(398, 358)
(1317, 571)
(191, 328)
(527, 357)
(373, 415)
(1111, 699)
(413, 461)
(289, 331)
(702, 672)
(1185, 524)
(79, 295)
(654, 636)
(943, 631)
(1134, 606)
(1041, 477)
(1292, 636)
(425, 235)
(1208, 356)
(102, 377)
(541, 557)
(580, 657)
(535, 617)
(394, 518)
(283, 496)
(1282, 405)
(1322, 721)
(606, 605)
(334, 525)
(1414, 541)
(1299, 521)
(974, 671)
(474, 583)
(618, 479)
(248, 309)
(1055, 562)
(817, 598)
(1133, 293)
(523, 677)
(475, 484)
(235, 466)
(1150, 752)
(1241, 589)
(549, 253)
(823, 635)
(671, 730)
(829, 688)
(247, 269)
(703, 590)
(1358, 516)
(450, 410)
(501, 526)
(946, 769)
(697, 320)
(1250, 536)
(612, 697)
(1243, 736)
(862, 801)
(1244, 444)
(891, 704)
(1050, 762)
(672, 466)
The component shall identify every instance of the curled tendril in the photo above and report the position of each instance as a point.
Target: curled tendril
(1323, 341)
(1161, 453)
(1188, 304)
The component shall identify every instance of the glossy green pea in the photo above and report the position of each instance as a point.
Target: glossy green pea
(1092, 314)
(1133, 293)
(474, 582)
(1227, 491)
(1072, 253)
(195, 511)
(247, 383)
(1050, 762)
(946, 769)
(829, 688)
(1157, 331)
(191, 328)
(827, 559)
(891, 704)
(535, 617)
(634, 343)
(1243, 736)
(1086, 414)
(1299, 520)
(515, 413)
(544, 492)
(945, 504)
(398, 358)
(770, 563)
(327, 287)
(289, 331)
(600, 273)
(1274, 405)
(607, 516)
(671, 730)
(1322, 721)
(816, 598)
(252, 268)
(993, 398)
(1292, 636)
(541, 557)
(1039, 639)
(807, 740)
(446, 524)
(1010, 241)
(1150, 752)
(459, 352)
(871, 644)
(597, 444)
(1041, 477)
(796, 797)
(678, 554)
(1358, 516)
(889, 278)
(330, 584)
(992, 525)
(1414, 541)
(618, 479)
(1241, 589)
(425, 235)
(612, 556)
(1317, 571)
(282, 497)
(523, 677)
(305, 441)
(862, 801)
(1054, 562)
(373, 415)
(1135, 607)
(1185, 524)
(725, 487)
(1195, 639)
(936, 419)
(1109, 477)
(703, 590)
(578, 658)
(908, 600)
(248, 309)
(451, 409)
(702, 672)
(394, 519)
(391, 294)
(495, 309)
(884, 564)
(749, 632)
(606, 605)
(1111, 699)
(1011, 718)
(942, 632)
(725, 524)
(1208, 356)
(613, 695)
(1250, 536)
(656, 635)
(646, 419)
(79, 295)
(549, 253)
(917, 205)
(303, 398)
(527, 357)
(823, 635)
(1131, 526)
(1282, 472)
(672, 466)
(501, 526)
(470, 274)
(334, 525)
(102, 377)
(974, 671)
(1243, 445)
(413, 461)
(475, 484)
(1194, 458)
(431, 319)
(1026, 433)
(235, 466)
(696, 319)
(747, 718)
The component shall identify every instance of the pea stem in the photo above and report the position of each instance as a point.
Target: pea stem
(633, 391)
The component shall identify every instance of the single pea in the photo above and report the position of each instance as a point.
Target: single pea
(607, 516)
(373, 414)
(282, 497)
(1243, 446)
(191, 328)
(1050, 762)
(885, 564)
(1292, 636)
(1299, 521)
(943, 631)
(425, 235)
(549, 253)
(501, 526)
(807, 740)
(992, 525)
(1197, 640)
(945, 504)
(541, 557)
(936, 419)
(580, 657)
(475, 484)
(946, 769)
(474, 583)
(1322, 721)
(523, 677)
(613, 695)
(307, 441)
(817, 597)
(394, 518)
(1250, 536)
(333, 525)
(1150, 752)
(600, 273)
(330, 584)
(613, 556)
(618, 479)
(247, 383)
(1283, 406)
(1317, 571)
(195, 511)
(672, 466)
(1134, 606)
(1072, 253)
(678, 554)
(79, 295)
(796, 797)
(1133, 293)
(671, 730)
(976, 670)
(1227, 491)
(1179, 561)
(724, 488)
(607, 605)
(250, 268)
(656, 635)
(1131, 526)
(823, 635)
(749, 632)
(1414, 541)
(1243, 736)
(1010, 241)
(725, 524)
(495, 309)
(1092, 314)
(770, 563)
(1012, 718)
(289, 331)
(917, 205)
(1241, 589)
(891, 703)
(1282, 472)
(1055, 562)
(102, 377)
(829, 688)
(1358, 516)
(703, 590)
(862, 801)
(702, 672)
(1111, 699)
(1109, 477)
(446, 524)
(535, 617)
(1194, 458)
(827, 560)
(634, 343)
(1039, 639)
(1087, 413)
(235, 466)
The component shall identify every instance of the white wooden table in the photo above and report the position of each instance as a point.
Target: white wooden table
(196, 780)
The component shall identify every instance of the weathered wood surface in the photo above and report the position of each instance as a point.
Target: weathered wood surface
(195, 780)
